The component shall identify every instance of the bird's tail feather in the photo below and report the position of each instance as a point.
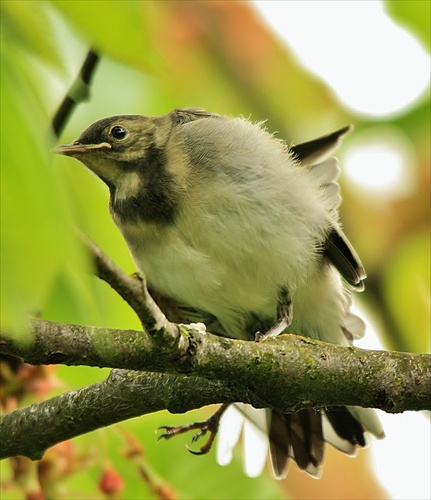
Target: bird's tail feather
(298, 436)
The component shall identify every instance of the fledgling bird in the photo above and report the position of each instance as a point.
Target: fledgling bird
(239, 231)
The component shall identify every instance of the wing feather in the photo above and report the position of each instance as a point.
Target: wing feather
(343, 256)
(317, 150)
(337, 248)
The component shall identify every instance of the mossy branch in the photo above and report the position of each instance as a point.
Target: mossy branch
(179, 367)
(288, 374)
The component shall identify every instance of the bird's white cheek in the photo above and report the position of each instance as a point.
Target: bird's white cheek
(128, 184)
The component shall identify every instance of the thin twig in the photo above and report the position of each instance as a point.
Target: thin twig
(78, 92)
(133, 290)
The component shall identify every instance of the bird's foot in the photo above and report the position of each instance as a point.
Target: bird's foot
(210, 425)
(284, 314)
(276, 330)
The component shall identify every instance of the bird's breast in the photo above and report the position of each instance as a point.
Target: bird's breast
(214, 264)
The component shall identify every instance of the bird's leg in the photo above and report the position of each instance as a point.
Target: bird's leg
(284, 315)
(210, 425)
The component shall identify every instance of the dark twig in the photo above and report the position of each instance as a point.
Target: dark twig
(78, 92)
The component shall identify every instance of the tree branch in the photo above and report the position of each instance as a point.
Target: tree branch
(133, 290)
(288, 373)
(78, 92)
(187, 368)
(124, 394)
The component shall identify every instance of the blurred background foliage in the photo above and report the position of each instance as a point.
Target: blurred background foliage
(157, 56)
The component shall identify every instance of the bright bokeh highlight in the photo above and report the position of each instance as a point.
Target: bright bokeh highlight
(381, 160)
(376, 67)
(407, 435)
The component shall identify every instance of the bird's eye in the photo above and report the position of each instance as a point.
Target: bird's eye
(118, 132)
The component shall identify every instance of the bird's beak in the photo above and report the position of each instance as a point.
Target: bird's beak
(77, 149)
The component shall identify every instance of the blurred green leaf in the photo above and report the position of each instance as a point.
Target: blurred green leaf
(39, 245)
(414, 15)
(121, 30)
(35, 240)
(171, 461)
(75, 377)
(406, 285)
(20, 21)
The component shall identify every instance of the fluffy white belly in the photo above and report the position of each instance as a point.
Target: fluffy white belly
(205, 282)
(231, 282)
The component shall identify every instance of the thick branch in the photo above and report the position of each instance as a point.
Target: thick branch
(125, 394)
(287, 373)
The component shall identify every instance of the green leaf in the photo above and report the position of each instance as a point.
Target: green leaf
(37, 236)
(190, 476)
(30, 27)
(414, 15)
(119, 29)
(407, 289)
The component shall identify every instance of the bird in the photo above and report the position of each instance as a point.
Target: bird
(236, 229)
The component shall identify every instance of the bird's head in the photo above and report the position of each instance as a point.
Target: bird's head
(115, 146)
(130, 153)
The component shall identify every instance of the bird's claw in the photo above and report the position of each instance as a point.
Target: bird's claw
(169, 432)
(204, 427)
(199, 434)
(210, 426)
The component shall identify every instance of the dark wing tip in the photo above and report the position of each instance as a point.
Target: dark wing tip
(318, 149)
(343, 256)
